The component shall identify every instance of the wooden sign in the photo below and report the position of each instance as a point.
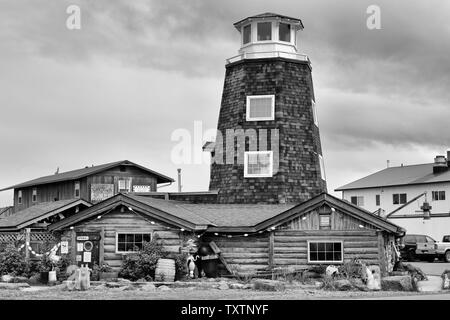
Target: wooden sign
(141, 188)
(100, 191)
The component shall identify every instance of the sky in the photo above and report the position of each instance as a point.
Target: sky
(137, 71)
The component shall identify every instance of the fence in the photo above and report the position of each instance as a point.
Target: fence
(30, 241)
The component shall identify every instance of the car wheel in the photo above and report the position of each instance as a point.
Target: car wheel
(447, 256)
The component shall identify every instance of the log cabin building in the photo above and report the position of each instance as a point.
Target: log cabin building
(266, 209)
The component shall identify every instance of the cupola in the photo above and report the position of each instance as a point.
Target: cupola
(268, 35)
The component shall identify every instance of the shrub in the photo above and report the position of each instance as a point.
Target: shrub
(180, 265)
(12, 262)
(143, 263)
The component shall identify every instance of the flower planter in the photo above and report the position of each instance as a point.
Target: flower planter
(108, 275)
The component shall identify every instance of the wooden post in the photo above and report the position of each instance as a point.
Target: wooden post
(271, 241)
(27, 243)
(102, 246)
(73, 251)
(381, 254)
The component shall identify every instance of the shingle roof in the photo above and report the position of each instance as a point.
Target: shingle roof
(37, 211)
(220, 215)
(398, 176)
(84, 172)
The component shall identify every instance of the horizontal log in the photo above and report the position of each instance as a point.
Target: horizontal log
(285, 239)
(326, 233)
(360, 250)
(290, 250)
(244, 255)
(114, 263)
(245, 250)
(249, 267)
(299, 244)
(289, 256)
(240, 244)
(290, 262)
(360, 244)
(246, 261)
(113, 256)
(365, 256)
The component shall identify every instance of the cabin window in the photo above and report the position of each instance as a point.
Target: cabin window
(260, 108)
(124, 185)
(284, 33)
(438, 195)
(399, 198)
(322, 167)
(258, 164)
(357, 201)
(324, 222)
(264, 31)
(77, 189)
(131, 242)
(19, 197)
(247, 34)
(314, 111)
(325, 251)
(377, 200)
(34, 195)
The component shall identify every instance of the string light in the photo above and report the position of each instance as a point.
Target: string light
(99, 217)
(181, 229)
(152, 222)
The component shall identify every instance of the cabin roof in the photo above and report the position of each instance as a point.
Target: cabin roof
(84, 172)
(399, 176)
(224, 217)
(28, 216)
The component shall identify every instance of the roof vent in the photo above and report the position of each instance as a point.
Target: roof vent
(440, 164)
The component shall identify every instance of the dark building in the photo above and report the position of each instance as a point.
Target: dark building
(268, 146)
(92, 184)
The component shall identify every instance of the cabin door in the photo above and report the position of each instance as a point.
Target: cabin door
(88, 248)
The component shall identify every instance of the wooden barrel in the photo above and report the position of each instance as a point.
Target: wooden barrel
(165, 270)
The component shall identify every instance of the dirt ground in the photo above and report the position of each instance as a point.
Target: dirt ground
(53, 293)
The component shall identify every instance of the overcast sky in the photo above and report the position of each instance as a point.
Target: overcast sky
(138, 70)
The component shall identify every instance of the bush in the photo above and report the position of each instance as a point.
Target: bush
(181, 265)
(12, 262)
(142, 265)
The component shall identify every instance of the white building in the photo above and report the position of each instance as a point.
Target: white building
(398, 193)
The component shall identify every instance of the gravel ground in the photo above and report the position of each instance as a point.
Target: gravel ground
(54, 293)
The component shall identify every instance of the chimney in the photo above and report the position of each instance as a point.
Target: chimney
(440, 164)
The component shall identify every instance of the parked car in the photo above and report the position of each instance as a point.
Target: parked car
(418, 246)
(443, 249)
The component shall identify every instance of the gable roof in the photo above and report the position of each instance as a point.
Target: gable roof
(33, 214)
(399, 176)
(223, 217)
(84, 172)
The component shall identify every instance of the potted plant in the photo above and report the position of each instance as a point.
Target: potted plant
(45, 265)
(105, 272)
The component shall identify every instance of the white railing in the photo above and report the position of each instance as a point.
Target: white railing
(268, 54)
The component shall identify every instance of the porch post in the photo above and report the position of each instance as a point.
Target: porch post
(27, 243)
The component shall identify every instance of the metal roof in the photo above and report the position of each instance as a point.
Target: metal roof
(84, 172)
(268, 15)
(399, 176)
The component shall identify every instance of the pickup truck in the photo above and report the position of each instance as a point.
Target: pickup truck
(443, 249)
(418, 246)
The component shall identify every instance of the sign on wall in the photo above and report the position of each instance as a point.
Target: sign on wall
(101, 191)
(64, 247)
(141, 188)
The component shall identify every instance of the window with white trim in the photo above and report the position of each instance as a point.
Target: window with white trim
(247, 34)
(314, 111)
(357, 200)
(258, 164)
(77, 189)
(264, 31)
(399, 198)
(325, 252)
(284, 32)
(438, 195)
(124, 185)
(131, 242)
(260, 108)
(19, 197)
(34, 195)
(322, 167)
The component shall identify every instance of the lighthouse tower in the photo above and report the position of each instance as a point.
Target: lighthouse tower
(267, 149)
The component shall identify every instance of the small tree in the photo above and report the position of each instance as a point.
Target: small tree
(12, 262)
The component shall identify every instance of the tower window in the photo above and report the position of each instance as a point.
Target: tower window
(34, 195)
(324, 222)
(124, 185)
(322, 167)
(77, 189)
(264, 31)
(19, 197)
(284, 33)
(258, 164)
(247, 34)
(260, 108)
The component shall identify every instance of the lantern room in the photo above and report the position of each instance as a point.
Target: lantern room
(268, 33)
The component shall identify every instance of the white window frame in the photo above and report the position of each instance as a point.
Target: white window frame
(34, 195)
(264, 175)
(19, 197)
(77, 186)
(359, 201)
(129, 232)
(250, 41)
(314, 111)
(272, 116)
(327, 261)
(127, 182)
